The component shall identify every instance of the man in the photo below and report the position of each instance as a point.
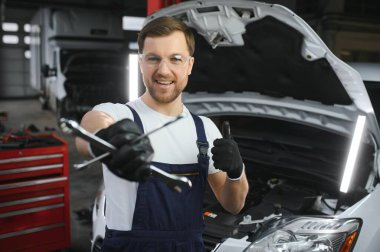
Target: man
(142, 213)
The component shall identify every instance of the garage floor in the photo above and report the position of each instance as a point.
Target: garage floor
(83, 184)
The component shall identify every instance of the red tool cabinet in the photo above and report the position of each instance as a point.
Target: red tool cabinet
(34, 196)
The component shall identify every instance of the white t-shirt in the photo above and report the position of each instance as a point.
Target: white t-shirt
(175, 144)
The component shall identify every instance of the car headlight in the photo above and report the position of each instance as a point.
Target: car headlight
(307, 234)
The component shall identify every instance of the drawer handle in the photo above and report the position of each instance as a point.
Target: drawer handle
(31, 230)
(31, 183)
(31, 210)
(30, 158)
(30, 200)
(29, 169)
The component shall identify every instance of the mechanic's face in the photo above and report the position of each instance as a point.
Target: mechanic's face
(165, 66)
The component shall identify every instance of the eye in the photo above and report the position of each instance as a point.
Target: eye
(176, 59)
(152, 59)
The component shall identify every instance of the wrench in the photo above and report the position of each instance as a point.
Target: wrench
(72, 127)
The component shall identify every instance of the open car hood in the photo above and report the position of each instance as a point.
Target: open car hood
(261, 59)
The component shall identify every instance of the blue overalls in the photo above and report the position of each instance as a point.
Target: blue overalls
(165, 220)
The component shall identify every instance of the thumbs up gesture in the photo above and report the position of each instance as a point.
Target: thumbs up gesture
(226, 155)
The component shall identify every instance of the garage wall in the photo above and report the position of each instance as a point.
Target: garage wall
(14, 65)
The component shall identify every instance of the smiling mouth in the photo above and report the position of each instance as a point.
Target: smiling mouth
(165, 83)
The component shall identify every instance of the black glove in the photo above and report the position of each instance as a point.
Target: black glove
(226, 155)
(129, 161)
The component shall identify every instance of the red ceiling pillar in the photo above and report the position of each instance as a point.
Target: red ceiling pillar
(155, 5)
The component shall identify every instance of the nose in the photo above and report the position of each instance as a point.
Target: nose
(163, 67)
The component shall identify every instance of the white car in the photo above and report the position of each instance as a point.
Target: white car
(305, 127)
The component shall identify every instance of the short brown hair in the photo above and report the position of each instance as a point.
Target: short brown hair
(164, 26)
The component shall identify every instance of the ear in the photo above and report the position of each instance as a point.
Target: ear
(191, 63)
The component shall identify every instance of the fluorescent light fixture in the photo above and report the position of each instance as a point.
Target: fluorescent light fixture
(133, 23)
(133, 76)
(26, 27)
(27, 54)
(353, 153)
(27, 40)
(10, 27)
(133, 46)
(10, 39)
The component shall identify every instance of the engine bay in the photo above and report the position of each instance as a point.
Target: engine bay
(292, 169)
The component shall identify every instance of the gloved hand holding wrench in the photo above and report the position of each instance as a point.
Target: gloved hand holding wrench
(128, 152)
(131, 158)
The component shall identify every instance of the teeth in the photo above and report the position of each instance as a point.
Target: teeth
(164, 82)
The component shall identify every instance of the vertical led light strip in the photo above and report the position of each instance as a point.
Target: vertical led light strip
(353, 153)
(133, 77)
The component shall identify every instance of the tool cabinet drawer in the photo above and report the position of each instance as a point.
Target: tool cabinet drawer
(31, 163)
(44, 239)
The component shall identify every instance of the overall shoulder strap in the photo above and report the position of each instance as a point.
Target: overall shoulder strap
(201, 135)
(136, 117)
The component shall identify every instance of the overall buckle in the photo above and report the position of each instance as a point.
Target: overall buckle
(203, 148)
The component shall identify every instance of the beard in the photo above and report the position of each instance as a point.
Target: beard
(165, 97)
